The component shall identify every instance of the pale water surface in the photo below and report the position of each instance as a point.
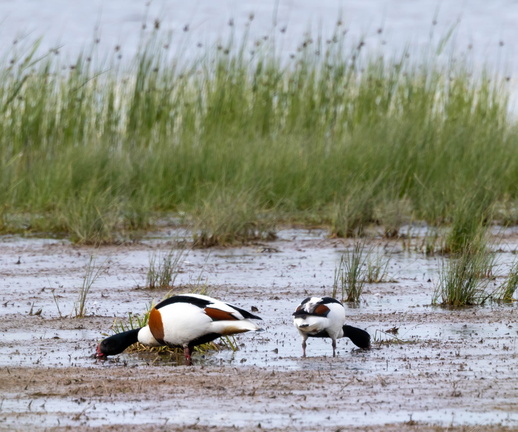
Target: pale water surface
(484, 31)
(489, 27)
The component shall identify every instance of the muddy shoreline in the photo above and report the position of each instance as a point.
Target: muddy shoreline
(442, 370)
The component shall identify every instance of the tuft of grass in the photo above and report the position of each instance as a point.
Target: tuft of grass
(377, 268)
(391, 214)
(507, 289)
(430, 244)
(464, 278)
(92, 273)
(164, 268)
(91, 220)
(389, 337)
(350, 217)
(56, 302)
(356, 268)
(351, 275)
(468, 229)
(228, 218)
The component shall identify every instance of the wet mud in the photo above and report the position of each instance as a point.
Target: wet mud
(430, 369)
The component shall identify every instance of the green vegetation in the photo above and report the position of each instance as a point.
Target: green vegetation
(239, 142)
(390, 337)
(377, 267)
(351, 274)
(357, 267)
(460, 281)
(464, 277)
(163, 269)
(468, 264)
(468, 231)
(92, 273)
(507, 289)
(228, 218)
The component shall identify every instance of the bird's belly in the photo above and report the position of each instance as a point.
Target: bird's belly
(320, 334)
(311, 325)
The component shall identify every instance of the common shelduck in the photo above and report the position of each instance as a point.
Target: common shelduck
(183, 321)
(325, 317)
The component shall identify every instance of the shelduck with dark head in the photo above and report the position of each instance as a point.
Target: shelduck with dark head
(183, 321)
(325, 317)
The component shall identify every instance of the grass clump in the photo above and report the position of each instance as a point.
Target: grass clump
(464, 278)
(470, 214)
(229, 219)
(92, 273)
(506, 291)
(391, 214)
(163, 269)
(351, 274)
(390, 337)
(377, 268)
(356, 268)
(350, 217)
(465, 275)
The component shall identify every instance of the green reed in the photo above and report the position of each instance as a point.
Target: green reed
(464, 277)
(506, 291)
(164, 268)
(92, 272)
(352, 274)
(336, 135)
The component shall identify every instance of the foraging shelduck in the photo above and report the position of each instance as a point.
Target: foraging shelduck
(183, 321)
(325, 317)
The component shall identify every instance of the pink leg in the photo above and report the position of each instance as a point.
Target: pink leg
(187, 354)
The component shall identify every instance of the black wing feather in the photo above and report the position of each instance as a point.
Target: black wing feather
(201, 303)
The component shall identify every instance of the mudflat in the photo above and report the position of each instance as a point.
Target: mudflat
(430, 368)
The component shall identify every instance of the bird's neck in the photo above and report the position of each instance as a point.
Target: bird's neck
(127, 338)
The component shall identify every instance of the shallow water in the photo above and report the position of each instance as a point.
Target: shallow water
(272, 277)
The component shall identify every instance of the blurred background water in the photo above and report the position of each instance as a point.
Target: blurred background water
(486, 30)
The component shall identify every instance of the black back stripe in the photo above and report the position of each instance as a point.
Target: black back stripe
(326, 300)
(245, 313)
(202, 304)
(305, 301)
(323, 300)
